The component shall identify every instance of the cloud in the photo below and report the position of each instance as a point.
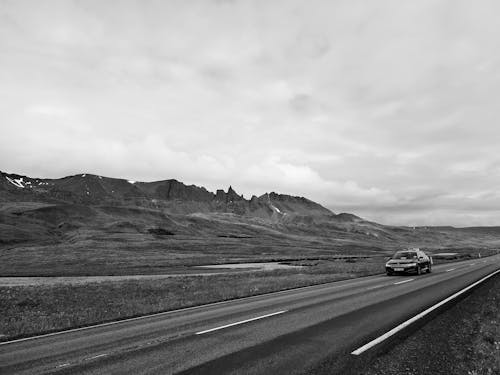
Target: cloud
(385, 109)
(48, 110)
(301, 179)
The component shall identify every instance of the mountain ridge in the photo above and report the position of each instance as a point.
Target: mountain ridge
(89, 188)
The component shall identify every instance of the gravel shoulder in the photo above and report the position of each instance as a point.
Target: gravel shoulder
(463, 340)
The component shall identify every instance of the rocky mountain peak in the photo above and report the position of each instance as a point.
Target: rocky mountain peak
(232, 196)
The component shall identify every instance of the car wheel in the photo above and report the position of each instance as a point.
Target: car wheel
(419, 270)
(389, 273)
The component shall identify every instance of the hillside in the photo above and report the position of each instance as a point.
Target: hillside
(88, 224)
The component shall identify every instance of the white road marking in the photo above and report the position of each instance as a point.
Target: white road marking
(376, 287)
(404, 281)
(240, 322)
(96, 356)
(472, 264)
(451, 269)
(405, 324)
(63, 365)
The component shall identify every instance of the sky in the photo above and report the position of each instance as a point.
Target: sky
(386, 109)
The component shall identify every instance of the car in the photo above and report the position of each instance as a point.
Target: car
(406, 261)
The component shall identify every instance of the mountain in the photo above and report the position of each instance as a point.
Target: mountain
(53, 207)
(170, 195)
(87, 224)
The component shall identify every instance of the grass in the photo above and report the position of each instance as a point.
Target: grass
(30, 310)
(138, 255)
(486, 348)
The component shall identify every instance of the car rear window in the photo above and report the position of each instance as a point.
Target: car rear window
(405, 255)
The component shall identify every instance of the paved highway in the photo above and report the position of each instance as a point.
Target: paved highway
(308, 330)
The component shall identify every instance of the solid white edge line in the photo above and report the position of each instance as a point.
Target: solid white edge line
(405, 324)
(240, 322)
(404, 281)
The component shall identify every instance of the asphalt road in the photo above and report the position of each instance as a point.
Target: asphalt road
(306, 330)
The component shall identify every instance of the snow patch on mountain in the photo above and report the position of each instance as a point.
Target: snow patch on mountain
(276, 209)
(16, 182)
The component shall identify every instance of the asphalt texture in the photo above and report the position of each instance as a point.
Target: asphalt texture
(310, 330)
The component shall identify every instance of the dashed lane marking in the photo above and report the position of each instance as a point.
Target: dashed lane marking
(451, 269)
(376, 287)
(404, 281)
(240, 322)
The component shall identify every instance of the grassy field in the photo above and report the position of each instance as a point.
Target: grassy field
(35, 309)
(136, 255)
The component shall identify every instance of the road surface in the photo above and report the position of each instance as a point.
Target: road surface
(308, 330)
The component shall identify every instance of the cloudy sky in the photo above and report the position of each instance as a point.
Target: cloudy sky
(387, 109)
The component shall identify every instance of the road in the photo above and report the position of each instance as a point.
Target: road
(308, 330)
